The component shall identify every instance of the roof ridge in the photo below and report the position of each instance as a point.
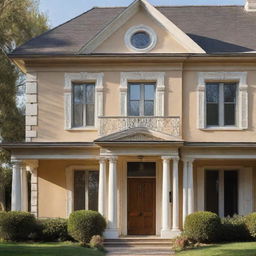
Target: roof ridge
(171, 6)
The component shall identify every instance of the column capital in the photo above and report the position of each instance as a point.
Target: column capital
(17, 162)
(112, 159)
(188, 159)
(164, 158)
(102, 159)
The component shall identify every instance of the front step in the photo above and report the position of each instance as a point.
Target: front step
(138, 246)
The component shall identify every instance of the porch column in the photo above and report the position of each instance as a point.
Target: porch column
(190, 187)
(24, 189)
(165, 232)
(112, 231)
(32, 167)
(175, 201)
(16, 185)
(185, 190)
(102, 186)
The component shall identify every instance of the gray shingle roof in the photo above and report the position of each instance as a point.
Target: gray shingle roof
(217, 29)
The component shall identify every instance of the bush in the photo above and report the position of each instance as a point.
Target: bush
(83, 225)
(202, 227)
(97, 242)
(50, 230)
(16, 226)
(234, 229)
(251, 224)
(181, 243)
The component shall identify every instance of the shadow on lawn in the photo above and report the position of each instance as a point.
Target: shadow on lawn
(12, 249)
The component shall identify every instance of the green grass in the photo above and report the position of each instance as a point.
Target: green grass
(229, 249)
(46, 249)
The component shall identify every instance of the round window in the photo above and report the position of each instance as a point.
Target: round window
(140, 38)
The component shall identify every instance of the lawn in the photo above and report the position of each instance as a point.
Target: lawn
(230, 249)
(46, 249)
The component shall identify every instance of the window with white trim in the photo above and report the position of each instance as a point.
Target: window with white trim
(141, 99)
(83, 107)
(221, 103)
(86, 185)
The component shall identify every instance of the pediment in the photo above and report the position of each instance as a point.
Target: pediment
(168, 37)
(137, 135)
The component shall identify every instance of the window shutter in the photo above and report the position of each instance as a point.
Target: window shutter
(243, 107)
(201, 106)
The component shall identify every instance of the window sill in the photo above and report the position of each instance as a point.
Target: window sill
(222, 128)
(89, 128)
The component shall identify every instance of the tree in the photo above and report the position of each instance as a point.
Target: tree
(20, 20)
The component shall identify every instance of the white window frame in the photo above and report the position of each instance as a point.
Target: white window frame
(83, 77)
(157, 77)
(245, 188)
(70, 185)
(242, 98)
(140, 28)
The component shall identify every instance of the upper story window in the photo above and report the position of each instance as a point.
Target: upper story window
(222, 105)
(221, 100)
(141, 99)
(83, 105)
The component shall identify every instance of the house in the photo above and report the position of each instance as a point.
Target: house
(145, 114)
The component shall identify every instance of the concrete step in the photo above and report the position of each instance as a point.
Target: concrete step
(138, 244)
(138, 251)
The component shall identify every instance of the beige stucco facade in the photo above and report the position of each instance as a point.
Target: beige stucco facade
(176, 137)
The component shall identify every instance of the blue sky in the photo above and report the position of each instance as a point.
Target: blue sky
(59, 11)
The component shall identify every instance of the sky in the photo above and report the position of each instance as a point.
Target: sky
(60, 11)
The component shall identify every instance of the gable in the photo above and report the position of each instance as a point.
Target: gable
(170, 39)
(165, 43)
(137, 135)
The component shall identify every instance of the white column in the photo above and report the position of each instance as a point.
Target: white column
(112, 231)
(102, 186)
(16, 186)
(175, 201)
(190, 187)
(185, 190)
(165, 232)
(24, 190)
(32, 166)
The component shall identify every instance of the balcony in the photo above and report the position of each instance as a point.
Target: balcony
(167, 125)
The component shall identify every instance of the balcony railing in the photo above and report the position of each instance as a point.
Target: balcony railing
(167, 125)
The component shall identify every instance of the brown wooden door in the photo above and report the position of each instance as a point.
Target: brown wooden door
(141, 206)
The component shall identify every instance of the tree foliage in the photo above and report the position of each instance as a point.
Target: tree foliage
(20, 20)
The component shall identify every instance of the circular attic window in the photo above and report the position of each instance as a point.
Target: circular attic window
(140, 38)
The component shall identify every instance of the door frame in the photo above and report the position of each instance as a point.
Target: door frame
(154, 213)
(123, 217)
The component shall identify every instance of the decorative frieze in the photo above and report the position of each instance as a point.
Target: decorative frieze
(167, 125)
(31, 106)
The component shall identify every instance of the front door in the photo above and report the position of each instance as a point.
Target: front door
(141, 206)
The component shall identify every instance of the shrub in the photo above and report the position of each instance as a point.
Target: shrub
(181, 243)
(83, 225)
(251, 224)
(50, 230)
(202, 227)
(234, 229)
(97, 242)
(16, 226)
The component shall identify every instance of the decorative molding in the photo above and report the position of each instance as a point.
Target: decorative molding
(158, 77)
(169, 126)
(99, 94)
(31, 106)
(242, 106)
(131, 31)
